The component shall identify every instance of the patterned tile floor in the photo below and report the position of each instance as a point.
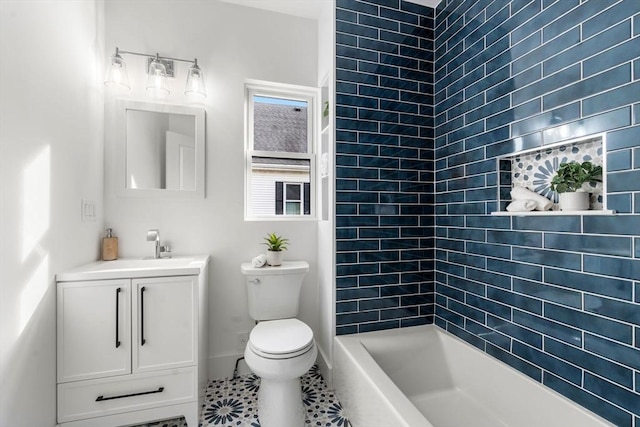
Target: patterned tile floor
(233, 403)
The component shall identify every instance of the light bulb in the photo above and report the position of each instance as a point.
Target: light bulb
(117, 73)
(195, 82)
(157, 79)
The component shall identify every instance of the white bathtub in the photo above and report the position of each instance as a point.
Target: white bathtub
(425, 377)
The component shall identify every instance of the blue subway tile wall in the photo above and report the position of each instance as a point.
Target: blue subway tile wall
(384, 158)
(555, 297)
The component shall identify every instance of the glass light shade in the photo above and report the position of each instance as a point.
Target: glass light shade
(195, 82)
(157, 79)
(117, 73)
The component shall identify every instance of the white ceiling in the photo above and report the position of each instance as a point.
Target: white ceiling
(304, 8)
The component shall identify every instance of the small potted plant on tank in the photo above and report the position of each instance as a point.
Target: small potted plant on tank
(275, 246)
(569, 182)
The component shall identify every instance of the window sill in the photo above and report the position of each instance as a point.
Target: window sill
(281, 218)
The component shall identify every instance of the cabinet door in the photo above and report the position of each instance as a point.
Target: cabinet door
(165, 335)
(94, 329)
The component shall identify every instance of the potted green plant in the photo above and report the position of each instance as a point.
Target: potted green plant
(275, 245)
(325, 110)
(569, 180)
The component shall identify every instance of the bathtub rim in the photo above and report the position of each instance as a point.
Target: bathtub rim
(353, 346)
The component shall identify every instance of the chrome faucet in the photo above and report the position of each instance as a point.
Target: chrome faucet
(160, 251)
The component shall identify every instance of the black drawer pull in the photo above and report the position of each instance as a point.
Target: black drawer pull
(102, 398)
(117, 317)
(142, 340)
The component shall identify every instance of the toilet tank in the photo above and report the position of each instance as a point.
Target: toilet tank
(274, 292)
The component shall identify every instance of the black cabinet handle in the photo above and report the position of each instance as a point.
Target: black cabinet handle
(142, 340)
(101, 398)
(118, 317)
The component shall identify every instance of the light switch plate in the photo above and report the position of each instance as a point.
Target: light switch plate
(88, 210)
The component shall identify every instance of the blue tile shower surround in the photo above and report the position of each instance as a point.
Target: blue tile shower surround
(384, 165)
(562, 305)
(556, 297)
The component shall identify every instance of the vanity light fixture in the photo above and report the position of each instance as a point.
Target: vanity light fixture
(160, 68)
(117, 72)
(157, 78)
(195, 81)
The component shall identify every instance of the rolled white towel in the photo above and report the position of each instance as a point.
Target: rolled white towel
(523, 205)
(522, 193)
(259, 261)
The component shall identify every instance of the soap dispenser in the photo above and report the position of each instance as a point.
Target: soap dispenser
(109, 246)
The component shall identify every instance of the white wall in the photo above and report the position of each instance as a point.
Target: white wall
(51, 157)
(232, 43)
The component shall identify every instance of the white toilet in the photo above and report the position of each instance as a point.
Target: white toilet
(281, 348)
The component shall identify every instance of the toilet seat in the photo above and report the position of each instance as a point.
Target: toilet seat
(281, 339)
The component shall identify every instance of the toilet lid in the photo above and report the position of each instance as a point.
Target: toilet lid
(279, 337)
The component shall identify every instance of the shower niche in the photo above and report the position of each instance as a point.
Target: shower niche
(535, 168)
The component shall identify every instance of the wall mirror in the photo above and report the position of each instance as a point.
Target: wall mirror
(161, 150)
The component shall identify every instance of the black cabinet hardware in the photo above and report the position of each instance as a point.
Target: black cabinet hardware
(118, 317)
(142, 340)
(101, 398)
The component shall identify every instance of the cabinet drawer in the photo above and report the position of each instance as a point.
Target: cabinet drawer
(94, 398)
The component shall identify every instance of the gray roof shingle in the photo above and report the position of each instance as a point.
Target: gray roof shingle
(280, 128)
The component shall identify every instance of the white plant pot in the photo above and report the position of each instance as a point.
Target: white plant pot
(574, 201)
(274, 258)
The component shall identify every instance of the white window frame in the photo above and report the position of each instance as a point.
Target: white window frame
(310, 95)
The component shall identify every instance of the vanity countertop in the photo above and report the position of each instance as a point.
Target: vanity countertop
(132, 268)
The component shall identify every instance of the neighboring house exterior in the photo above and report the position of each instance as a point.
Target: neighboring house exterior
(280, 186)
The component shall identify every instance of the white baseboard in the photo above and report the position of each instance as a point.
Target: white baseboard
(222, 366)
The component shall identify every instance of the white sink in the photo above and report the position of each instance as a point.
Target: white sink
(135, 268)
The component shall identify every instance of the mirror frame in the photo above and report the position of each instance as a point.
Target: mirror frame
(121, 150)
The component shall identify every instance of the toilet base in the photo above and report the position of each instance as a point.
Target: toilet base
(280, 403)
(280, 394)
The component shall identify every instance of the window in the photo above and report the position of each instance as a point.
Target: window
(293, 198)
(280, 161)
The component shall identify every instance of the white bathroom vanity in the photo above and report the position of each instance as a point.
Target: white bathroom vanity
(132, 341)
